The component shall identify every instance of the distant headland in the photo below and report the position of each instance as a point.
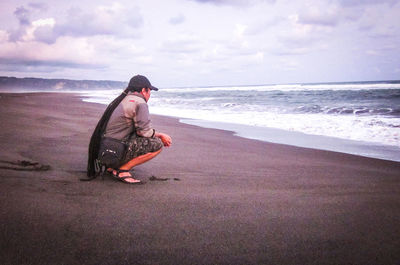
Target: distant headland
(32, 84)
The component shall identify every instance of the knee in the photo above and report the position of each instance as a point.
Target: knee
(158, 146)
(159, 150)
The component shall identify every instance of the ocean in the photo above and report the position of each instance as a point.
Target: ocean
(361, 118)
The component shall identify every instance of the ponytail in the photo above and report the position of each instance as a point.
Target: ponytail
(98, 133)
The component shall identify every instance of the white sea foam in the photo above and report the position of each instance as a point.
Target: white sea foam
(346, 127)
(290, 87)
(100, 96)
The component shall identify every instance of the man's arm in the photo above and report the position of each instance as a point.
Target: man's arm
(144, 126)
(143, 123)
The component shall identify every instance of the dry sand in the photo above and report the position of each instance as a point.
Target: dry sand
(227, 200)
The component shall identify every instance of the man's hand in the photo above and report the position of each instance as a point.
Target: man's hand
(166, 139)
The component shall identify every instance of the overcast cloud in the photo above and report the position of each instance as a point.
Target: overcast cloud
(202, 42)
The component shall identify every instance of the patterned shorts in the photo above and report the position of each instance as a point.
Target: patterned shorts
(138, 146)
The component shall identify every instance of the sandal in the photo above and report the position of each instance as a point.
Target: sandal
(123, 179)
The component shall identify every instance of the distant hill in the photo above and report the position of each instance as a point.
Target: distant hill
(40, 84)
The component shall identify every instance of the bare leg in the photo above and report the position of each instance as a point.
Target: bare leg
(134, 162)
(140, 160)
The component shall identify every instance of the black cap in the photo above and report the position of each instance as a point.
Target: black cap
(140, 81)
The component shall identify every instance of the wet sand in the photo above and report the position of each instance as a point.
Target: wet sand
(226, 200)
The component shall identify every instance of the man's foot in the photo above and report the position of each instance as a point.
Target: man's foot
(125, 176)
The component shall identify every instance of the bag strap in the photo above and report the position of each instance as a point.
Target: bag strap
(99, 168)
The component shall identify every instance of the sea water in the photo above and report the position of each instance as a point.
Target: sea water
(338, 116)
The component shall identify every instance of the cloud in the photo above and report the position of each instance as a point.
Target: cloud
(30, 63)
(389, 22)
(234, 2)
(26, 27)
(296, 33)
(261, 26)
(332, 13)
(320, 15)
(43, 32)
(4, 36)
(298, 38)
(366, 2)
(104, 20)
(22, 15)
(182, 44)
(66, 52)
(179, 19)
(114, 19)
(288, 64)
(39, 6)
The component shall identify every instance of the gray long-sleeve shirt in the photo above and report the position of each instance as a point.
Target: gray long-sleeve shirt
(131, 113)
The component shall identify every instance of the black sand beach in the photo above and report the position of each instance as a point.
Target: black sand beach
(226, 200)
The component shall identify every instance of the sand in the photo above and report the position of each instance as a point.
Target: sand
(226, 200)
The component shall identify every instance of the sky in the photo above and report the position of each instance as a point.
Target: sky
(186, 43)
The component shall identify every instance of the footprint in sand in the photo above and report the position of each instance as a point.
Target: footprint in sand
(23, 165)
(154, 178)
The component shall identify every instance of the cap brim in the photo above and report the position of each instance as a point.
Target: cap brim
(154, 88)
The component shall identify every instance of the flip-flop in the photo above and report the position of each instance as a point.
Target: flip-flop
(123, 179)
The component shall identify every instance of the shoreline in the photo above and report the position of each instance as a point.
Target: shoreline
(225, 200)
(275, 135)
(299, 139)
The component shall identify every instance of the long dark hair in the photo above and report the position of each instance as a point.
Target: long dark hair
(99, 131)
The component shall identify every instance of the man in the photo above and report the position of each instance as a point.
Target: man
(127, 119)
